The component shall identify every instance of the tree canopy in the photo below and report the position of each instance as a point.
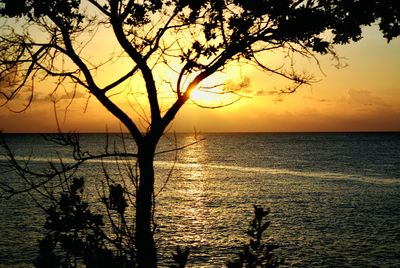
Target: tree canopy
(203, 37)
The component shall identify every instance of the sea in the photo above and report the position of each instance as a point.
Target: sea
(334, 198)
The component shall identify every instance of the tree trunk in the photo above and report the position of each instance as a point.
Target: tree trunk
(146, 250)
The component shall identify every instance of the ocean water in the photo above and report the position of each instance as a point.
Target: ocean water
(334, 197)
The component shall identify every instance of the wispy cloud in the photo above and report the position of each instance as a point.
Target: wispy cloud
(363, 98)
(42, 97)
(364, 102)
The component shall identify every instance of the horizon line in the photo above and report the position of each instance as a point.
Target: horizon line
(217, 132)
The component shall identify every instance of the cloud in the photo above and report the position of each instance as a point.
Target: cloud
(40, 117)
(240, 87)
(74, 95)
(245, 87)
(264, 92)
(40, 96)
(363, 98)
(271, 92)
(50, 97)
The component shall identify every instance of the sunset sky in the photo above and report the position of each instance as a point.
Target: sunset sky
(363, 96)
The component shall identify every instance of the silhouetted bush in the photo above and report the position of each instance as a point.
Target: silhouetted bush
(78, 237)
(180, 257)
(257, 253)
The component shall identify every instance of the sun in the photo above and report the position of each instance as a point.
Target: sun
(214, 92)
(206, 96)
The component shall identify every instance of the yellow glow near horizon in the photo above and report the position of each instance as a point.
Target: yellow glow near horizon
(220, 89)
(365, 96)
(204, 97)
(209, 92)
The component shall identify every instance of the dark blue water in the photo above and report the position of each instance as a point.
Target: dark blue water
(334, 197)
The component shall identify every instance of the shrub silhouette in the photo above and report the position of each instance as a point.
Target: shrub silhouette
(78, 237)
(180, 257)
(257, 253)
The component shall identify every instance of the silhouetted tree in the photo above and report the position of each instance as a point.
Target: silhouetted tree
(46, 39)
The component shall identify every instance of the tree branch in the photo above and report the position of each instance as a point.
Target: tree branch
(93, 88)
(100, 7)
(117, 25)
(120, 80)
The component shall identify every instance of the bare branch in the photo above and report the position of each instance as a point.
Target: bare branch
(117, 23)
(22, 167)
(120, 80)
(100, 7)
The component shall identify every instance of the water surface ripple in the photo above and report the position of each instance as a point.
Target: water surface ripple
(334, 197)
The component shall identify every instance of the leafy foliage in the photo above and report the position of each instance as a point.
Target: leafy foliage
(257, 253)
(61, 12)
(180, 257)
(206, 35)
(76, 236)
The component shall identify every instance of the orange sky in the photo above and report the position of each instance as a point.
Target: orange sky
(364, 96)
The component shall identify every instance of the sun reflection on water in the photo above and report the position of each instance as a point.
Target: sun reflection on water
(192, 189)
(320, 201)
